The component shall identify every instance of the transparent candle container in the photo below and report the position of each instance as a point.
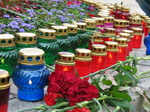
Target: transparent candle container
(125, 13)
(109, 22)
(135, 22)
(109, 34)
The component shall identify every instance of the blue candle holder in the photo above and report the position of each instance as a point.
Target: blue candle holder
(147, 44)
(30, 75)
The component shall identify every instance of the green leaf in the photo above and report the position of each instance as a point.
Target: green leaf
(127, 67)
(107, 82)
(122, 95)
(123, 104)
(96, 83)
(146, 104)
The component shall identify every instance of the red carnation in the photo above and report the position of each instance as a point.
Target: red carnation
(50, 98)
(83, 109)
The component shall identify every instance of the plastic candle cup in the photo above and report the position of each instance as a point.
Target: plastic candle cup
(72, 36)
(137, 33)
(30, 75)
(147, 28)
(123, 48)
(109, 32)
(112, 53)
(25, 40)
(83, 62)
(125, 13)
(4, 90)
(47, 42)
(118, 12)
(98, 57)
(65, 62)
(135, 22)
(109, 22)
(8, 52)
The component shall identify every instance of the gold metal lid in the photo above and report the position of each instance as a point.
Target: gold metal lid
(137, 31)
(124, 8)
(60, 29)
(46, 33)
(97, 37)
(112, 46)
(118, 7)
(121, 23)
(109, 19)
(122, 42)
(81, 25)
(83, 54)
(66, 58)
(99, 21)
(31, 56)
(4, 79)
(98, 50)
(7, 40)
(91, 23)
(110, 31)
(124, 35)
(72, 28)
(129, 32)
(102, 15)
(25, 38)
(135, 20)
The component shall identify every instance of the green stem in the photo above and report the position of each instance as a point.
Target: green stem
(142, 73)
(35, 108)
(100, 107)
(49, 67)
(116, 109)
(143, 77)
(106, 106)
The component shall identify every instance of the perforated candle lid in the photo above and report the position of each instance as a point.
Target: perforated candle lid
(121, 23)
(109, 19)
(4, 79)
(91, 23)
(112, 46)
(72, 28)
(66, 58)
(124, 8)
(46, 33)
(81, 25)
(122, 42)
(137, 31)
(135, 20)
(25, 38)
(110, 31)
(125, 35)
(99, 20)
(6, 40)
(60, 29)
(31, 56)
(98, 50)
(83, 54)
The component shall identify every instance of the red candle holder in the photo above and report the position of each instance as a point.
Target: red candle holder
(100, 23)
(109, 32)
(98, 57)
(120, 24)
(144, 19)
(130, 43)
(65, 62)
(95, 39)
(147, 28)
(125, 13)
(135, 22)
(4, 90)
(112, 53)
(137, 33)
(112, 12)
(109, 22)
(118, 12)
(123, 48)
(127, 36)
(83, 62)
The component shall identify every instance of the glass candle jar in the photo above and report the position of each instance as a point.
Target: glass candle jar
(82, 34)
(109, 33)
(127, 36)
(4, 90)
(83, 62)
(112, 53)
(72, 36)
(130, 43)
(135, 22)
(120, 24)
(137, 33)
(98, 57)
(65, 62)
(95, 39)
(8, 52)
(100, 23)
(47, 41)
(118, 12)
(109, 22)
(62, 37)
(25, 40)
(30, 75)
(123, 48)
(125, 12)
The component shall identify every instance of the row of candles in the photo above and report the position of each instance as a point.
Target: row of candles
(119, 32)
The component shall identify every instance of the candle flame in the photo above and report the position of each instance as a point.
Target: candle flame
(136, 37)
(65, 69)
(120, 50)
(100, 60)
(110, 56)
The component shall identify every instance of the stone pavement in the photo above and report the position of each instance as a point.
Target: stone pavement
(16, 105)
